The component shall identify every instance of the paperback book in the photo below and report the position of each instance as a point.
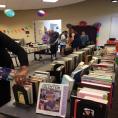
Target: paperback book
(52, 99)
(66, 79)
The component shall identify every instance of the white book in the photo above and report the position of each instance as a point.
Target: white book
(66, 79)
(29, 90)
(52, 99)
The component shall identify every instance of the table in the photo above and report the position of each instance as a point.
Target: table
(21, 111)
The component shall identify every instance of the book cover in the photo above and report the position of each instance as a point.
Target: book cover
(52, 99)
(20, 94)
(87, 108)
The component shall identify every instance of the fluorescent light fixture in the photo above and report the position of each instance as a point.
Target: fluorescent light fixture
(50, 0)
(114, 1)
(2, 6)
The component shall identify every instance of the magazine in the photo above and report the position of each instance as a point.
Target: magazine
(52, 99)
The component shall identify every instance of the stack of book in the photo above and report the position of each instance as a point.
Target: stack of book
(70, 61)
(102, 81)
(43, 75)
(76, 59)
(80, 55)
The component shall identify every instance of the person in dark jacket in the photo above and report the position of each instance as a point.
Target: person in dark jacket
(84, 40)
(7, 44)
(53, 43)
(75, 39)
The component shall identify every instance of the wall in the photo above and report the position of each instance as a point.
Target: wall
(92, 11)
(39, 27)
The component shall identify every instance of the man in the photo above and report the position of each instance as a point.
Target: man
(53, 43)
(7, 44)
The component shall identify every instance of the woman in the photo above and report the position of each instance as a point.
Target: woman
(63, 41)
(75, 39)
(84, 40)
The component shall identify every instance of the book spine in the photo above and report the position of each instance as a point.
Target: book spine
(64, 99)
(75, 107)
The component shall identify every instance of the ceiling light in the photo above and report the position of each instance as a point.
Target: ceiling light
(114, 1)
(2, 6)
(50, 0)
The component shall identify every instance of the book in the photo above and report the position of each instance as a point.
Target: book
(88, 108)
(76, 57)
(80, 54)
(92, 93)
(70, 63)
(52, 99)
(23, 95)
(66, 79)
(97, 79)
(76, 74)
(29, 90)
(45, 76)
(63, 62)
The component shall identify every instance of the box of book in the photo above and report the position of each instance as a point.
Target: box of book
(52, 99)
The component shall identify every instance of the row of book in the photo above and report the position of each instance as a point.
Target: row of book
(52, 98)
(93, 96)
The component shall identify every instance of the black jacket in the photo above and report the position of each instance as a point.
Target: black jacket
(7, 44)
(54, 38)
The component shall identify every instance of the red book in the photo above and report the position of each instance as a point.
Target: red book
(75, 107)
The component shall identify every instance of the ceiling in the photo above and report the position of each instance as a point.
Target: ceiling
(35, 4)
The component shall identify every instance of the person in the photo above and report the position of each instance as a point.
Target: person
(84, 40)
(53, 43)
(75, 39)
(7, 44)
(45, 38)
(63, 41)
